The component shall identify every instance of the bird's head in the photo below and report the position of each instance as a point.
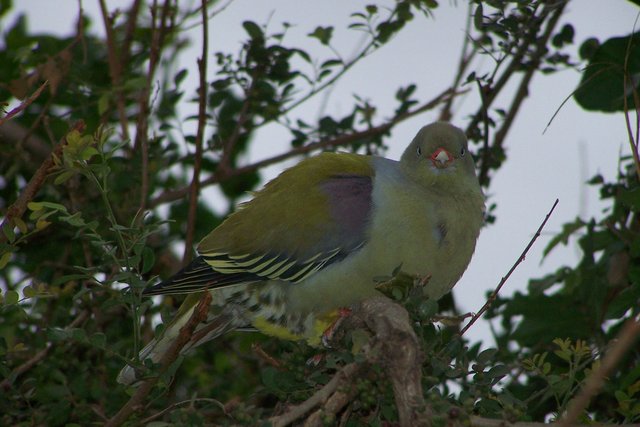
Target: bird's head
(438, 153)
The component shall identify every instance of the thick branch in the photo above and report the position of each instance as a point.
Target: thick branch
(395, 347)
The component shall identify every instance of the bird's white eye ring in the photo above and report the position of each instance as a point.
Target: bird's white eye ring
(419, 151)
(463, 151)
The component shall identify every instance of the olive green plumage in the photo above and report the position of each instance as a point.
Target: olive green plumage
(313, 240)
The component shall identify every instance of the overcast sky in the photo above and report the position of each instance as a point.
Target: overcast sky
(540, 167)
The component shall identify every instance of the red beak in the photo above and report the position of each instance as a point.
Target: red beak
(441, 158)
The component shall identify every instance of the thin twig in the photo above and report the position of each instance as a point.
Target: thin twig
(194, 188)
(41, 355)
(594, 382)
(24, 104)
(521, 258)
(135, 402)
(115, 69)
(523, 89)
(463, 62)
(634, 141)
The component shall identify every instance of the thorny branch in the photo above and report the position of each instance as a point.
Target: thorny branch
(520, 259)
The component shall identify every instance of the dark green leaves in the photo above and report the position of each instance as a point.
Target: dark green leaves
(612, 69)
(323, 34)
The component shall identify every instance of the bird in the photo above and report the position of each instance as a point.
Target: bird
(313, 240)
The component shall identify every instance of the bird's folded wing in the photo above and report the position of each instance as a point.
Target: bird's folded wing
(312, 215)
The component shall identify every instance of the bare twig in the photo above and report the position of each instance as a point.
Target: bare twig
(634, 141)
(594, 382)
(523, 89)
(115, 69)
(135, 402)
(341, 140)
(24, 104)
(40, 355)
(194, 188)
(463, 63)
(521, 258)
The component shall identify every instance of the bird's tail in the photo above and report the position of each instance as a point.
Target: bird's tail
(216, 325)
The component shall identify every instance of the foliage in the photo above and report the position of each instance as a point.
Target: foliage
(81, 238)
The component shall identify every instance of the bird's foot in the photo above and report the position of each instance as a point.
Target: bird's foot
(329, 333)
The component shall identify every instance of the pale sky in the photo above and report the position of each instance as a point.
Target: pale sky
(540, 167)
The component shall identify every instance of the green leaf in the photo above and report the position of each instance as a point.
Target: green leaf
(563, 237)
(254, 31)
(4, 259)
(63, 177)
(7, 229)
(323, 34)
(98, 339)
(11, 297)
(603, 83)
(478, 18)
(148, 259)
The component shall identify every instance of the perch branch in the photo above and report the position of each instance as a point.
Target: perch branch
(521, 258)
(395, 347)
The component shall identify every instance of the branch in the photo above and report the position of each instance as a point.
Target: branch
(395, 347)
(341, 140)
(194, 188)
(115, 69)
(343, 377)
(24, 104)
(521, 258)
(594, 382)
(18, 208)
(135, 402)
(523, 89)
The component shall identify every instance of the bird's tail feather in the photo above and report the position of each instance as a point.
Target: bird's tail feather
(214, 326)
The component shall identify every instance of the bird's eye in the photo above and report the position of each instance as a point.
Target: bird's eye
(419, 151)
(463, 151)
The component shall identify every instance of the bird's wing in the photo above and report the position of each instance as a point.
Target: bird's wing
(312, 215)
